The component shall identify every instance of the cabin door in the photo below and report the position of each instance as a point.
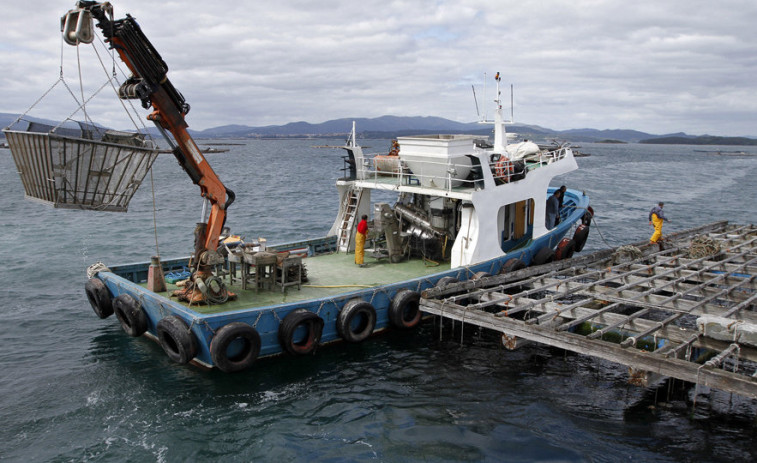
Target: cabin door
(517, 221)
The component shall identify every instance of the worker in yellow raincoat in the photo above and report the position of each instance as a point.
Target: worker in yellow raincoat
(362, 232)
(656, 218)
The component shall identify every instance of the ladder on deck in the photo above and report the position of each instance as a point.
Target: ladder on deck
(351, 202)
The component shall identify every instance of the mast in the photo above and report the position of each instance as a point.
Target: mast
(500, 134)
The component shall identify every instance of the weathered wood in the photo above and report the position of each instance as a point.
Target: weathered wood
(654, 297)
(640, 360)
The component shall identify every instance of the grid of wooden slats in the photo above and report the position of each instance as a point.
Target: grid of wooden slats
(661, 312)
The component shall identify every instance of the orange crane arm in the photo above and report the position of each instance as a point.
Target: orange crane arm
(150, 84)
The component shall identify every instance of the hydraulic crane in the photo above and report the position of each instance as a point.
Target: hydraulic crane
(150, 84)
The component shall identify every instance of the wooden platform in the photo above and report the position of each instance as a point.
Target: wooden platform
(637, 305)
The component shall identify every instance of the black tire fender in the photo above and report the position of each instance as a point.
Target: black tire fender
(356, 320)
(130, 314)
(99, 297)
(244, 342)
(296, 318)
(544, 255)
(511, 265)
(404, 311)
(580, 236)
(588, 215)
(565, 249)
(444, 281)
(177, 339)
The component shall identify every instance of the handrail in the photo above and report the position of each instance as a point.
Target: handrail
(510, 171)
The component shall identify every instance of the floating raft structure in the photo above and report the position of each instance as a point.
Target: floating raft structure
(686, 311)
(87, 167)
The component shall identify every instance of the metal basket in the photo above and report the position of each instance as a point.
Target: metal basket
(76, 172)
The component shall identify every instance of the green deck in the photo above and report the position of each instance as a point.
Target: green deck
(328, 275)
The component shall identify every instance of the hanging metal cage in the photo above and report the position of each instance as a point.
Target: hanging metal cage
(88, 167)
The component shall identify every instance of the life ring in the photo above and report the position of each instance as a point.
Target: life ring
(565, 249)
(588, 215)
(580, 236)
(294, 320)
(130, 314)
(404, 311)
(356, 320)
(503, 169)
(177, 339)
(512, 265)
(99, 297)
(235, 347)
(544, 255)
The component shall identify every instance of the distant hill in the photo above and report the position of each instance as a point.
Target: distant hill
(379, 126)
(701, 140)
(594, 135)
(394, 126)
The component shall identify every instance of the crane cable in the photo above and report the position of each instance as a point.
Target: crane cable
(114, 76)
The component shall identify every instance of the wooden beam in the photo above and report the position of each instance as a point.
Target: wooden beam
(639, 360)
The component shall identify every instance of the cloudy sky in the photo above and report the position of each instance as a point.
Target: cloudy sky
(656, 66)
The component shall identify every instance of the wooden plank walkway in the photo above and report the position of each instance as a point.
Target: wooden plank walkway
(687, 311)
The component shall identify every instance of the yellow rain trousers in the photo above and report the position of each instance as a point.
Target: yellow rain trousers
(657, 235)
(360, 248)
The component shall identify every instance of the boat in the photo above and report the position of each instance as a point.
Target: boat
(465, 208)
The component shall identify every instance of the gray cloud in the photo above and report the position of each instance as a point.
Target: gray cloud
(654, 66)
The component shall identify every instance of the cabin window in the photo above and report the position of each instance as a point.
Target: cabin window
(515, 221)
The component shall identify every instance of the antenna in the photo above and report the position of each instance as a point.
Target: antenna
(478, 113)
(485, 106)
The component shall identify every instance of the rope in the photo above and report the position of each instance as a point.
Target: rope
(114, 76)
(702, 246)
(626, 252)
(116, 64)
(337, 286)
(154, 215)
(96, 268)
(255, 324)
(81, 84)
(600, 233)
(81, 106)
(594, 220)
(59, 80)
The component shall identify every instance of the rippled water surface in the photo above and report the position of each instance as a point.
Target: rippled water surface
(76, 388)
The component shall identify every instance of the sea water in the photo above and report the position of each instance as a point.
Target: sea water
(76, 388)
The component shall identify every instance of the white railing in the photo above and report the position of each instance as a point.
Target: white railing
(392, 170)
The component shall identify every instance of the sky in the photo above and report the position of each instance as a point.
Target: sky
(655, 66)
